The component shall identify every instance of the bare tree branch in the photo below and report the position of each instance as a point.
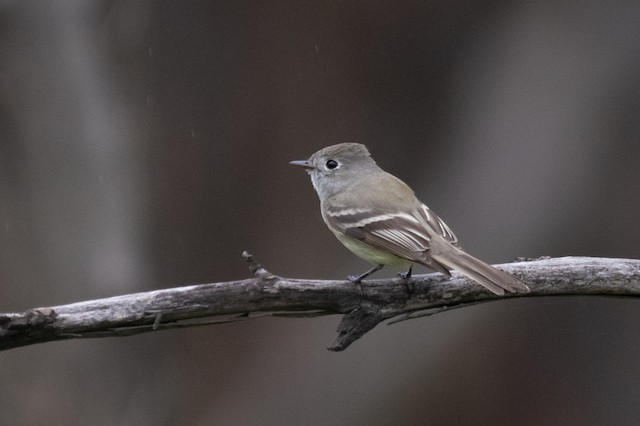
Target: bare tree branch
(363, 306)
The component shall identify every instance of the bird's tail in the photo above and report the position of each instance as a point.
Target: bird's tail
(493, 279)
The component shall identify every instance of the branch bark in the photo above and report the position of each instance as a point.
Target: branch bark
(363, 306)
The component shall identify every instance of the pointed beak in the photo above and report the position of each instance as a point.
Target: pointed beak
(302, 163)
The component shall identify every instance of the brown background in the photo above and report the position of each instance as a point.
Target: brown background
(145, 144)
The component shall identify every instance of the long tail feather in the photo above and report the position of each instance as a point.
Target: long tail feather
(493, 279)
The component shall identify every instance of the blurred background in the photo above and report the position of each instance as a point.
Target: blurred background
(144, 145)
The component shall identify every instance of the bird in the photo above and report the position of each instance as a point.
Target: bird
(379, 218)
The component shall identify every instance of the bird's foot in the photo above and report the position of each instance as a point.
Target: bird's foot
(356, 280)
(406, 278)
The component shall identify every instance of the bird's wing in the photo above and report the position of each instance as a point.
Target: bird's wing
(407, 235)
(437, 225)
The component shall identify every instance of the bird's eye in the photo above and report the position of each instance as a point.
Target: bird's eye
(331, 164)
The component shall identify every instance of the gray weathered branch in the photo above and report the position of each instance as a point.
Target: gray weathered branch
(363, 306)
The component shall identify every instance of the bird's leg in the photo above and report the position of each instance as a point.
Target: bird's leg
(406, 277)
(356, 280)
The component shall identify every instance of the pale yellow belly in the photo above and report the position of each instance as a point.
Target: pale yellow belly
(370, 254)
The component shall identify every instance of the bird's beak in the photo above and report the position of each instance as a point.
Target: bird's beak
(302, 163)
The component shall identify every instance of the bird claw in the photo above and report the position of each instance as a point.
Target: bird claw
(404, 275)
(356, 280)
(406, 278)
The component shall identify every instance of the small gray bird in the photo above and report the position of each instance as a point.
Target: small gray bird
(378, 217)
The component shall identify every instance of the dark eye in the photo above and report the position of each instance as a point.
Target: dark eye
(331, 164)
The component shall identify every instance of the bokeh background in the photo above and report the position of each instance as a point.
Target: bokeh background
(144, 145)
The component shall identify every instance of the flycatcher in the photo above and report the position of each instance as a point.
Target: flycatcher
(378, 217)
